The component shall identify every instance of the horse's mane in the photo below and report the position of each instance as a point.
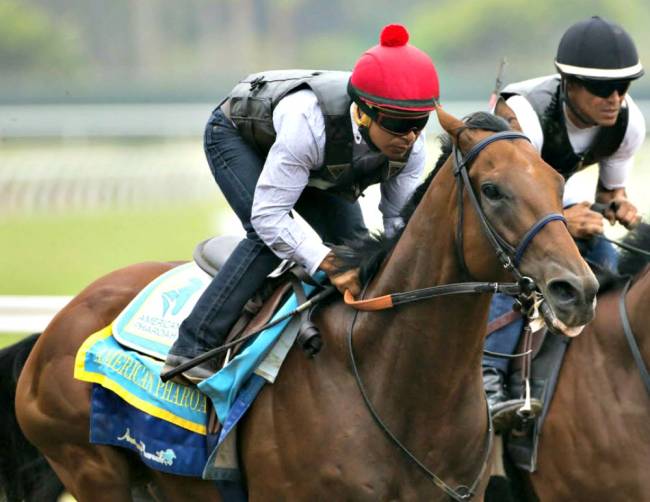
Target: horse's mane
(368, 252)
(629, 263)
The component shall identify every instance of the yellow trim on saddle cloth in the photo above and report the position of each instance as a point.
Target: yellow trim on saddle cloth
(81, 373)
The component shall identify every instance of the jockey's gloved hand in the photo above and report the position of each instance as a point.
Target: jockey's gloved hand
(347, 280)
(582, 222)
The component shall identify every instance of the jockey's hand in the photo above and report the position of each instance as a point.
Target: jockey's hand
(623, 211)
(348, 280)
(582, 222)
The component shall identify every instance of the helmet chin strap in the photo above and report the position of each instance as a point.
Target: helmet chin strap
(365, 134)
(573, 108)
(363, 121)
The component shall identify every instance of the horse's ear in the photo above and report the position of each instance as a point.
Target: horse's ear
(449, 123)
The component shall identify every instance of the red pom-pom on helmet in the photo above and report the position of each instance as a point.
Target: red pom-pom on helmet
(395, 74)
(394, 35)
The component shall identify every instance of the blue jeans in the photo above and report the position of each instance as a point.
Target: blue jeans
(506, 339)
(236, 167)
(599, 251)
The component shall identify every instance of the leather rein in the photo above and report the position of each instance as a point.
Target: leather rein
(631, 340)
(509, 257)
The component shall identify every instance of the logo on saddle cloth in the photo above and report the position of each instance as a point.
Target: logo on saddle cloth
(179, 297)
(149, 324)
(164, 457)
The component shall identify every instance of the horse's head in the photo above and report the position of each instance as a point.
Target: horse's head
(520, 198)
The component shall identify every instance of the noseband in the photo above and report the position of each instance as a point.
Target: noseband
(509, 256)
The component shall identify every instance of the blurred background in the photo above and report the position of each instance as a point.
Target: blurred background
(103, 104)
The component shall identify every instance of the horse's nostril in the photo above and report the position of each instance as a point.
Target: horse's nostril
(563, 291)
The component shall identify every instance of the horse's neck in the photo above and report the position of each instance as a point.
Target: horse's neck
(436, 343)
(607, 343)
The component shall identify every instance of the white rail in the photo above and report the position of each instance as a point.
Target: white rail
(28, 314)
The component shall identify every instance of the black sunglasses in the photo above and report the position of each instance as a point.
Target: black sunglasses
(605, 88)
(400, 125)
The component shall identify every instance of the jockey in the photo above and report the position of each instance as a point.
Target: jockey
(309, 141)
(580, 117)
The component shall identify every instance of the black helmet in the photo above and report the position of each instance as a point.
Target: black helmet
(596, 49)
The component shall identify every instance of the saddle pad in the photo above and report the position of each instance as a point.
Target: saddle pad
(136, 379)
(149, 324)
(161, 445)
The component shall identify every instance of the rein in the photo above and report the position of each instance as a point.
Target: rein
(394, 299)
(631, 341)
(509, 257)
(461, 492)
(627, 247)
(599, 207)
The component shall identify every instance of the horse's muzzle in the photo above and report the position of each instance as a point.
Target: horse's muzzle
(572, 298)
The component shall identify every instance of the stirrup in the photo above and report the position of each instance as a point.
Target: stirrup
(507, 416)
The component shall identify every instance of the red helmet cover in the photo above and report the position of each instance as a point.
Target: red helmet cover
(395, 74)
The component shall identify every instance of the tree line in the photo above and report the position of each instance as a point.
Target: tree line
(197, 49)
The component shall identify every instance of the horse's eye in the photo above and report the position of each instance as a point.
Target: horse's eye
(491, 191)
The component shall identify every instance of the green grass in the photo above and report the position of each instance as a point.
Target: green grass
(60, 255)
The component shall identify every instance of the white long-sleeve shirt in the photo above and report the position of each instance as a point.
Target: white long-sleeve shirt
(299, 148)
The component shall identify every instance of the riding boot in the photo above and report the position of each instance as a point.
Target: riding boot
(502, 408)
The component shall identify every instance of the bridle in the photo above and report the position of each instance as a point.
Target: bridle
(510, 257)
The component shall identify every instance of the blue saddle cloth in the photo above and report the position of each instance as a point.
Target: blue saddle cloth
(166, 423)
(160, 444)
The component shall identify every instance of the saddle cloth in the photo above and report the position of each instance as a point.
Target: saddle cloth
(164, 423)
(149, 324)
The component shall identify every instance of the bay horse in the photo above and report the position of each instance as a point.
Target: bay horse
(595, 442)
(310, 436)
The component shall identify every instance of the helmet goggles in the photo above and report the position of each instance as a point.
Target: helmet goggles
(394, 122)
(400, 126)
(605, 88)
